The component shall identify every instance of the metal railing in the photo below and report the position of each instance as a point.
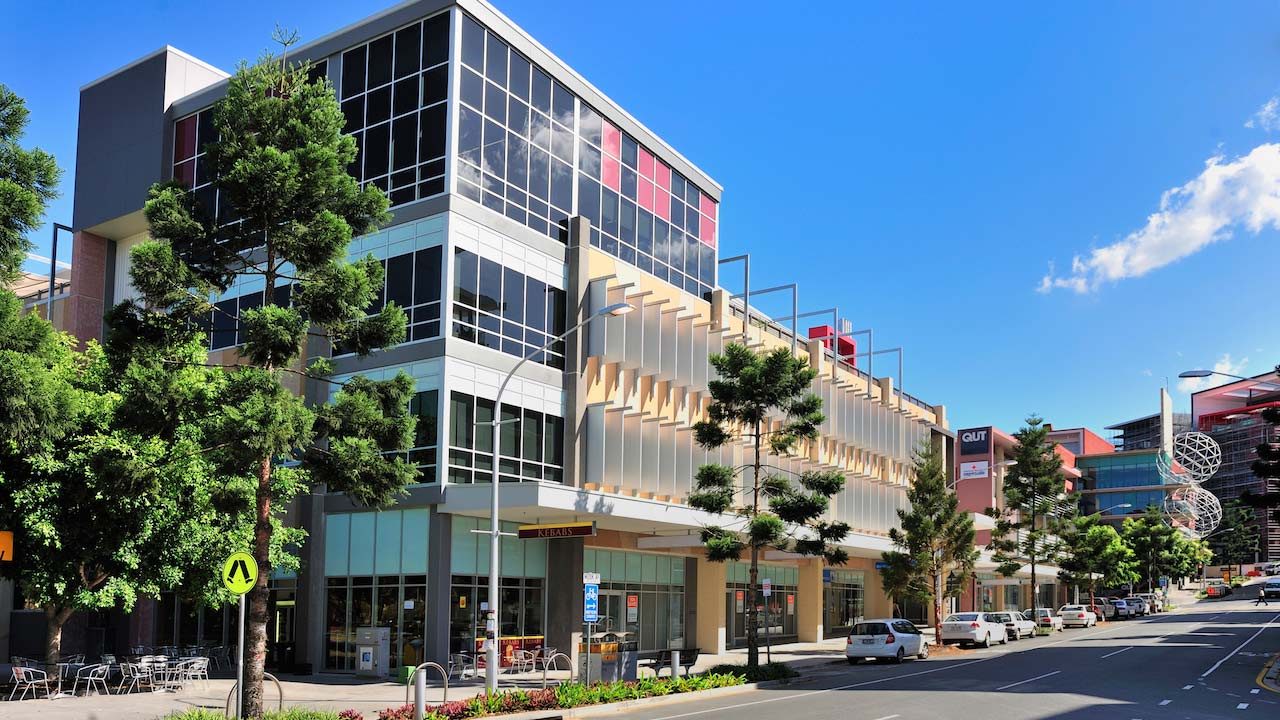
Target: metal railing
(546, 664)
(444, 675)
(265, 676)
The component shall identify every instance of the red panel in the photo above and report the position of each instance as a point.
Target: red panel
(644, 193)
(662, 175)
(708, 206)
(646, 164)
(612, 139)
(848, 347)
(184, 139)
(185, 173)
(662, 202)
(822, 331)
(707, 232)
(611, 173)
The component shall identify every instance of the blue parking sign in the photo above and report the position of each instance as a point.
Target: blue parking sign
(590, 603)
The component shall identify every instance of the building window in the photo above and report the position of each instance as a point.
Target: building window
(412, 281)
(394, 92)
(525, 143)
(505, 310)
(424, 406)
(778, 611)
(522, 600)
(844, 598)
(641, 595)
(532, 442)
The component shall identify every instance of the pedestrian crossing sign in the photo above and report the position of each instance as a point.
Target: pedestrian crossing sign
(240, 573)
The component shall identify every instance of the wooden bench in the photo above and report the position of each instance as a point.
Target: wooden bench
(658, 659)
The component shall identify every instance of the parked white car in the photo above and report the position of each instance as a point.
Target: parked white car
(885, 639)
(1016, 626)
(1142, 607)
(1155, 603)
(973, 628)
(1271, 589)
(1124, 608)
(1044, 617)
(1077, 616)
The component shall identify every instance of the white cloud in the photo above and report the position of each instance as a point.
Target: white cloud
(1147, 372)
(1224, 365)
(1267, 117)
(1240, 192)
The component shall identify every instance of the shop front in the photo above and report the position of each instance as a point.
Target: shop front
(777, 612)
(522, 591)
(843, 600)
(642, 597)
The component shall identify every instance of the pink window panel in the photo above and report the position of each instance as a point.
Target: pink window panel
(185, 173)
(644, 193)
(646, 164)
(612, 139)
(662, 175)
(184, 139)
(708, 231)
(708, 207)
(662, 202)
(611, 173)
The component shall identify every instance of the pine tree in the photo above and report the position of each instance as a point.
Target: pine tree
(1027, 526)
(1155, 544)
(28, 181)
(279, 161)
(752, 392)
(935, 554)
(1236, 539)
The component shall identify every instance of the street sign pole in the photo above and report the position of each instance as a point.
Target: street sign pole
(768, 626)
(240, 664)
(590, 612)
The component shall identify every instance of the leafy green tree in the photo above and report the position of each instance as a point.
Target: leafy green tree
(935, 554)
(1236, 539)
(1028, 526)
(1154, 544)
(766, 399)
(279, 161)
(1094, 553)
(28, 181)
(1190, 557)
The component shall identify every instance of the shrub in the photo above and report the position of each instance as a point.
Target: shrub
(542, 699)
(404, 712)
(195, 714)
(768, 671)
(350, 715)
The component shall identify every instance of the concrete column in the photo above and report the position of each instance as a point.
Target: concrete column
(439, 608)
(6, 606)
(575, 384)
(564, 595)
(711, 585)
(886, 391)
(309, 625)
(809, 601)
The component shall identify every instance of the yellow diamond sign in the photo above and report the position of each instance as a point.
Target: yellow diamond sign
(240, 573)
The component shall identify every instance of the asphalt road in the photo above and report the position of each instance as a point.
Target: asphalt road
(1201, 662)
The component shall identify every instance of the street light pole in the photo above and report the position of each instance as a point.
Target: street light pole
(492, 634)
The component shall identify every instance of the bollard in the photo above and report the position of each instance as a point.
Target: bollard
(675, 663)
(420, 696)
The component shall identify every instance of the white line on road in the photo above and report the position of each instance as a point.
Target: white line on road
(1024, 682)
(1242, 706)
(1104, 657)
(1253, 691)
(1165, 702)
(1218, 664)
(888, 717)
(1187, 687)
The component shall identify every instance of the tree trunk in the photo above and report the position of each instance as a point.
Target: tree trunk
(753, 634)
(255, 646)
(937, 608)
(55, 619)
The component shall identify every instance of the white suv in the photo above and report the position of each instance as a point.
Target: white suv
(973, 628)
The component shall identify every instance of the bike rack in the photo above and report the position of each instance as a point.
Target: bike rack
(546, 665)
(443, 675)
(265, 676)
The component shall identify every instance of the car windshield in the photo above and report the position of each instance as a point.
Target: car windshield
(962, 617)
(999, 617)
(1072, 608)
(873, 628)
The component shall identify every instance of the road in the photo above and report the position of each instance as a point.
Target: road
(1201, 662)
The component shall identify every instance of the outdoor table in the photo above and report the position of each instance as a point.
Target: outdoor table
(63, 669)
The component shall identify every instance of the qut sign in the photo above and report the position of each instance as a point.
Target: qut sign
(975, 441)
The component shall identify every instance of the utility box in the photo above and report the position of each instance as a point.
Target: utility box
(373, 652)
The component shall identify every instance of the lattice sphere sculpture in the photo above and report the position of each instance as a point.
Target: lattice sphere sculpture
(1193, 510)
(1199, 455)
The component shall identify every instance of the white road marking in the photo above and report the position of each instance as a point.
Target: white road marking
(1104, 657)
(1242, 706)
(888, 717)
(1165, 702)
(1218, 664)
(1254, 691)
(1187, 687)
(1024, 682)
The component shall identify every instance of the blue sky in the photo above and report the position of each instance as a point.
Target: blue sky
(920, 165)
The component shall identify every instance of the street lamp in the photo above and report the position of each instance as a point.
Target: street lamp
(495, 534)
(1113, 507)
(1206, 373)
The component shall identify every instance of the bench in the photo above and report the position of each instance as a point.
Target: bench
(658, 659)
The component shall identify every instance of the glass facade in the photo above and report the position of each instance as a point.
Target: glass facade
(778, 618)
(1118, 472)
(505, 310)
(522, 603)
(527, 146)
(532, 442)
(375, 566)
(425, 406)
(843, 601)
(642, 596)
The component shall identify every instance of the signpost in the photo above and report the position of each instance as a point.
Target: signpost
(240, 575)
(767, 587)
(558, 530)
(590, 612)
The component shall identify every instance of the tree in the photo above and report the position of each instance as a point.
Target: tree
(1093, 554)
(1236, 539)
(935, 552)
(1154, 544)
(1267, 467)
(766, 399)
(28, 181)
(1190, 556)
(279, 162)
(1027, 525)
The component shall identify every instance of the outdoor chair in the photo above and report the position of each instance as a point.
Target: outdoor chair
(523, 661)
(93, 677)
(30, 679)
(134, 675)
(458, 662)
(196, 669)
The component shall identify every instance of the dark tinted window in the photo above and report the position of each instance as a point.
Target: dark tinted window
(874, 628)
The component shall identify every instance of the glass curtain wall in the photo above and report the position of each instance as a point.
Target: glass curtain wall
(522, 601)
(844, 597)
(779, 610)
(642, 596)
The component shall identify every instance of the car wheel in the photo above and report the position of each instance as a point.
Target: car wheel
(986, 641)
(853, 661)
(897, 659)
(1004, 640)
(924, 651)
